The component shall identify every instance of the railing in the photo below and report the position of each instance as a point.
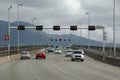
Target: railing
(108, 50)
(14, 50)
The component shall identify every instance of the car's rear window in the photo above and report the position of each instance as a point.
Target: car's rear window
(25, 52)
(77, 52)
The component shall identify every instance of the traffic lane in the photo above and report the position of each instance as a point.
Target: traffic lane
(90, 69)
(15, 70)
(43, 70)
(30, 70)
(58, 67)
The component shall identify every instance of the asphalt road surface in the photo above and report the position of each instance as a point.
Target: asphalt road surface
(58, 67)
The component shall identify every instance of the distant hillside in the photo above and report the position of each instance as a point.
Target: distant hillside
(3, 30)
(26, 36)
(21, 23)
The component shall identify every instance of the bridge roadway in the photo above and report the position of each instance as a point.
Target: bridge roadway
(58, 67)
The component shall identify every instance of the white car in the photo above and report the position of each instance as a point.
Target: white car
(50, 49)
(77, 55)
(58, 51)
(68, 53)
(25, 55)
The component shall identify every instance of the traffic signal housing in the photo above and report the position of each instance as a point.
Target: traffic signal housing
(56, 27)
(73, 28)
(104, 35)
(21, 27)
(91, 28)
(39, 27)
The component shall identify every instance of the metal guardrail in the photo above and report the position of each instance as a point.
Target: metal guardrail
(15, 50)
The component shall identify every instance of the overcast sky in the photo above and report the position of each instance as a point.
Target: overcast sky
(66, 13)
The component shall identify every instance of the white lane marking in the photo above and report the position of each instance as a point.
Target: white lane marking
(9, 58)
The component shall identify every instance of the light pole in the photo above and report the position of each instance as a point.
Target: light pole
(104, 38)
(33, 31)
(18, 23)
(80, 35)
(114, 42)
(9, 32)
(88, 30)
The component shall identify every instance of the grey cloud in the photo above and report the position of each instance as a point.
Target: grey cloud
(51, 12)
(41, 4)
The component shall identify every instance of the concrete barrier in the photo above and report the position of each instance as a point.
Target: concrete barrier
(93, 55)
(103, 58)
(113, 61)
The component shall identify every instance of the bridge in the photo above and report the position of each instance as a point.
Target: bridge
(101, 62)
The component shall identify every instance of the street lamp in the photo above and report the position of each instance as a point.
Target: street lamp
(80, 35)
(34, 31)
(9, 31)
(114, 42)
(18, 22)
(88, 30)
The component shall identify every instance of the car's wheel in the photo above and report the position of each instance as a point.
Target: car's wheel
(72, 59)
(82, 60)
(21, 58)
(44, 57)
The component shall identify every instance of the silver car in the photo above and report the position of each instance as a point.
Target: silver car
(50, 49)
(25, 55)
(77, 55)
